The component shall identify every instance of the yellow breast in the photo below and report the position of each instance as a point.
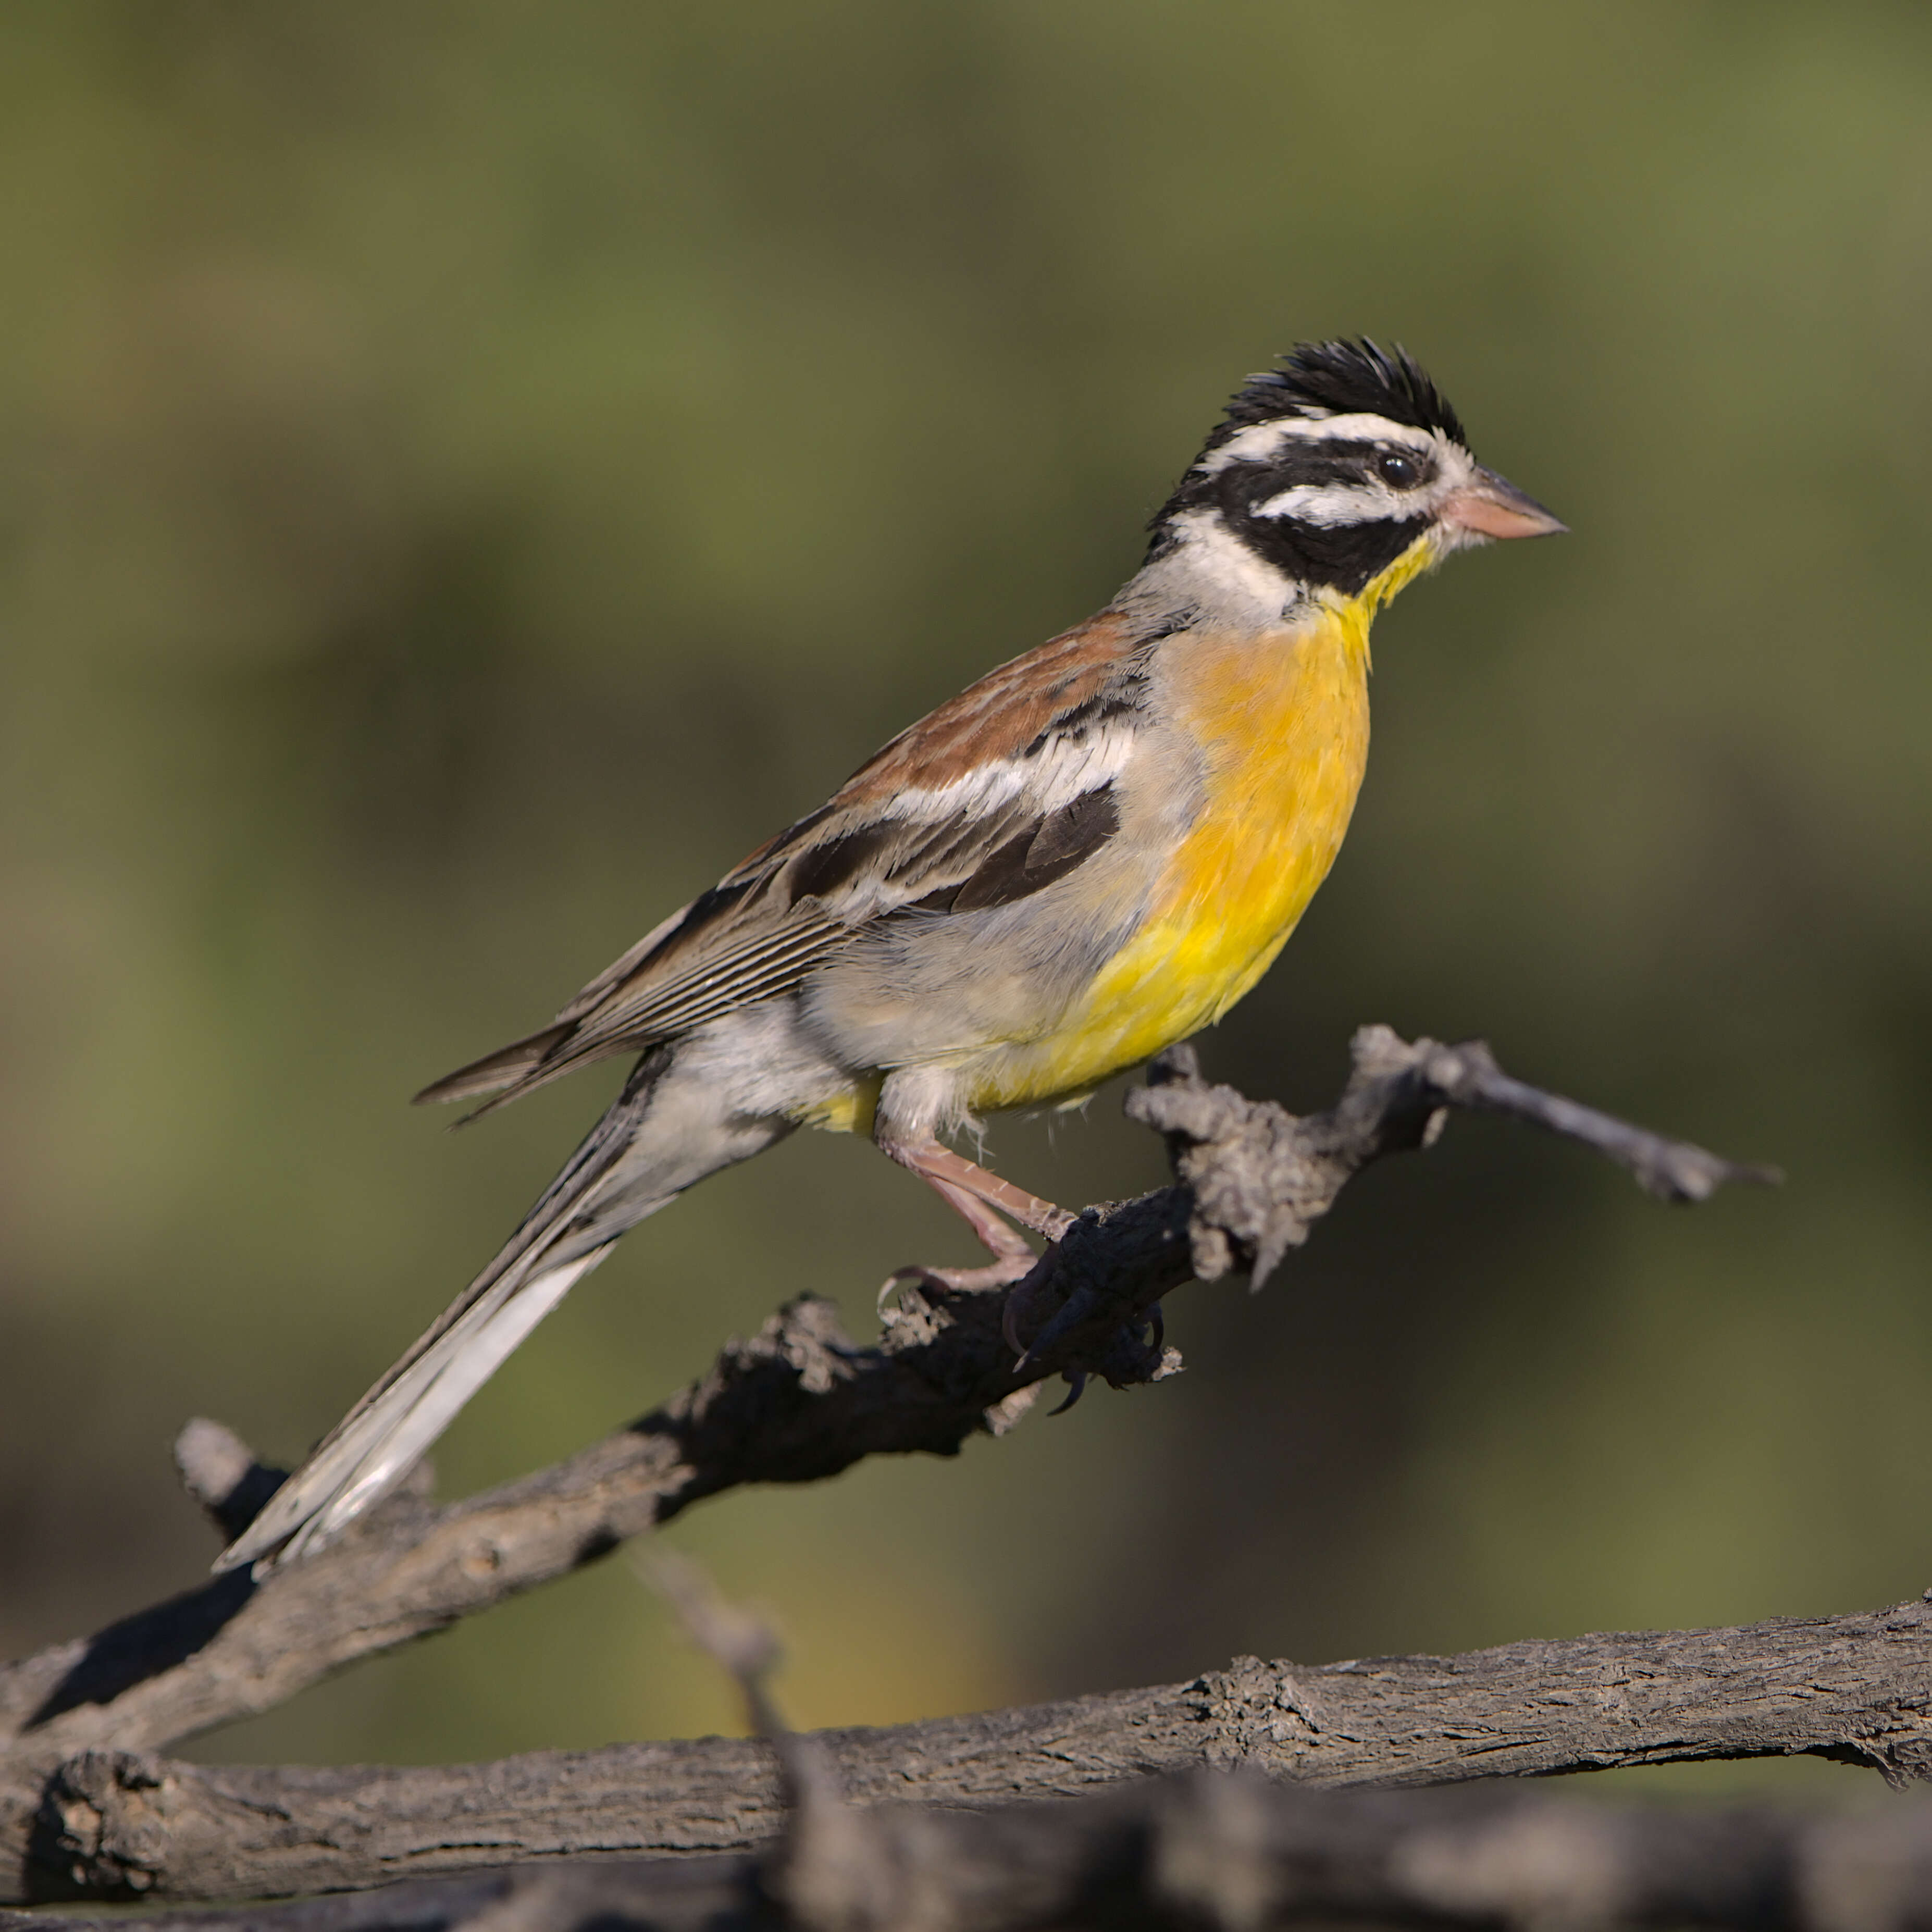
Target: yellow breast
(1282, 720)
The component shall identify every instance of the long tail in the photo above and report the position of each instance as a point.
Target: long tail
(614, 1179)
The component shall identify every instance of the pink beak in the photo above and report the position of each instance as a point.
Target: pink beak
(1491, 506)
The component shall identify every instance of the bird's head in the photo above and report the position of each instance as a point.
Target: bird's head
(1340, 473)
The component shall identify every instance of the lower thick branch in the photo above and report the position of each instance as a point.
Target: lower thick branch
(1204, 1851)
(1855, 1688)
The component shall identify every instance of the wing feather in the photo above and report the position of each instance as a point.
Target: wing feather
(998, 794)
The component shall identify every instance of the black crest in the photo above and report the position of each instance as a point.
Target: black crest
(1342, 379)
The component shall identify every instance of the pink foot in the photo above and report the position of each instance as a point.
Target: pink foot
(1001, 1272)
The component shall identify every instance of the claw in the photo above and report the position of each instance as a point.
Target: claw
(1009, 1328)
(1069, 1315)
(1019, 1307)
(1010, 1321)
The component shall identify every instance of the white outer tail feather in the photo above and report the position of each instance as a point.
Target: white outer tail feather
(380, 1447)
(710, 1099)
(374, 1447)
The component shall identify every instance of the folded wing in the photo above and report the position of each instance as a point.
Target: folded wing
(995, 796)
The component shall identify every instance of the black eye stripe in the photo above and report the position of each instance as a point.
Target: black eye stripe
(1356, 450)
(1237, 491)
(1318, 463)
(1352, 464)
(1343, 556)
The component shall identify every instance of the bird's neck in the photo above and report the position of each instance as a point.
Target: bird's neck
(1204, 576)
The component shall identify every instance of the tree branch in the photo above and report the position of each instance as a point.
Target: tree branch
(1207, 1850)
(797, 1402)
(1856, 1689)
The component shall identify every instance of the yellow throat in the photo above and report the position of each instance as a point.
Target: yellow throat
(1282, 719)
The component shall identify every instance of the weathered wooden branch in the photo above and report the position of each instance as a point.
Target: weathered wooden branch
(1210, 1850)
(798, 1403)
(1855, 1689)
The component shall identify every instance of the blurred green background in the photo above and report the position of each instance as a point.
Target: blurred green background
(468, 473)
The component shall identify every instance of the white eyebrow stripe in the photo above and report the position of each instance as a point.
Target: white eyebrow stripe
(1362, 428)
(1260, 442)
(1255, 444)
(1331, 504)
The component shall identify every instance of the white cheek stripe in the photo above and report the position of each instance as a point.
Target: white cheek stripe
(1212, 567)
(1330, 506)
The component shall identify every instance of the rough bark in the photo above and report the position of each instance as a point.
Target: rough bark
(1857, 1689)
(1204, 1851)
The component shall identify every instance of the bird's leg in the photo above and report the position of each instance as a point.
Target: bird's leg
(981, 1200)
(1013, 1259)
(952, 1173)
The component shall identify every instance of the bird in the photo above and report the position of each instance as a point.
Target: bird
(1089, 854)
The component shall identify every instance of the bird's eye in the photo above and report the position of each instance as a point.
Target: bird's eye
(1399, 473)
